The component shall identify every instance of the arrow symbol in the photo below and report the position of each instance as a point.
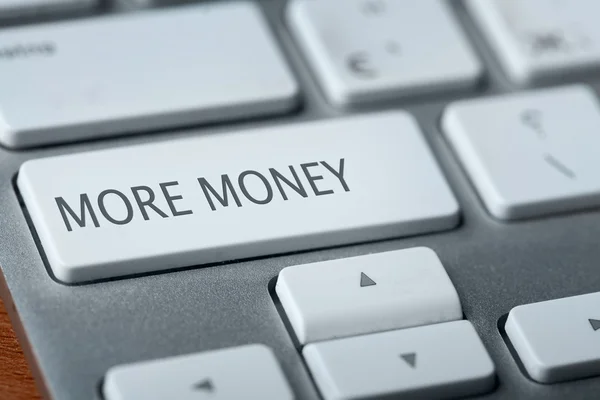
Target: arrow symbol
(366, 281)
(206, 386)
(595, 323)
(410, 359)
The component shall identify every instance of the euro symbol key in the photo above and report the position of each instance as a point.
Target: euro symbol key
(358, 63)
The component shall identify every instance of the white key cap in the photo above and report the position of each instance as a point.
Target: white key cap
(287, 188)
(247, 372)
(149, 70)
(373, 50)
(538, 39)
(432, 362)
(530, 154)
(366, 294)
(17, 8)
(557, 340)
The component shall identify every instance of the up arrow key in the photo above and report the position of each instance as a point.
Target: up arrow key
(366, 281)
(595, 323)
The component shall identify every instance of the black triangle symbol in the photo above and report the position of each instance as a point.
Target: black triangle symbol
(365, 280)
(410, 358)
(205, 385)
(595, 324)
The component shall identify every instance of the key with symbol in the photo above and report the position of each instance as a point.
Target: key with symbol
(432, 362)
(530, 154)
(365, 294)
(246, 372)
(557, 340)
(540, 39)
(373, 50)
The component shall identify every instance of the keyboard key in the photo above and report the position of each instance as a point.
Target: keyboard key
(363, 51)
(20, 8)
(433, 362)
(230, 196)
(530, 154)
(133, 72)
(557, 340)
(247, 372)
(366, 294)
(540, 39)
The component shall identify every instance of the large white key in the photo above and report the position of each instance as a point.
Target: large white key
(369, 50)
(557, 340)
(530, 154)
(366, 294)
(230, 196)
(128, 73)
(16, 8)
(539, 39)
(247, 372)
(433, 362)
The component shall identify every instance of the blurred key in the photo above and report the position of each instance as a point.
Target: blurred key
(19, 8)
(540, 39)
(530, 154)
(141, 71)
(365, 51)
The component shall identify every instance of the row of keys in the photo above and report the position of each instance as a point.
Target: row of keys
(370, 50)
(437, 361)
(520, 151)
(58, 88)
(358, 302)
(555, 340)
(349, 314)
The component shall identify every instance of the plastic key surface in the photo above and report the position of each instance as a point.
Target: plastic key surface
(129, 73)
(223, 197)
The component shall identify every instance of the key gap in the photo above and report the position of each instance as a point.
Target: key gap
(174, 132)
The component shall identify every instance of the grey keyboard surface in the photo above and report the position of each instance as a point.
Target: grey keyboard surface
(74, 333)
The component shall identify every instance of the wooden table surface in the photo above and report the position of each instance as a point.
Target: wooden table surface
(16, 382)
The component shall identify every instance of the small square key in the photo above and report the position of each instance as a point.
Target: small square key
(540, 39)
(530, 154)
(363, 51)
(365, 294)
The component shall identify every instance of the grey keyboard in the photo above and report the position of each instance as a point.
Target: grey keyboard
(302, 199)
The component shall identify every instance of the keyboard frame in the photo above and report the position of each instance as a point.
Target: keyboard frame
(73, 334)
